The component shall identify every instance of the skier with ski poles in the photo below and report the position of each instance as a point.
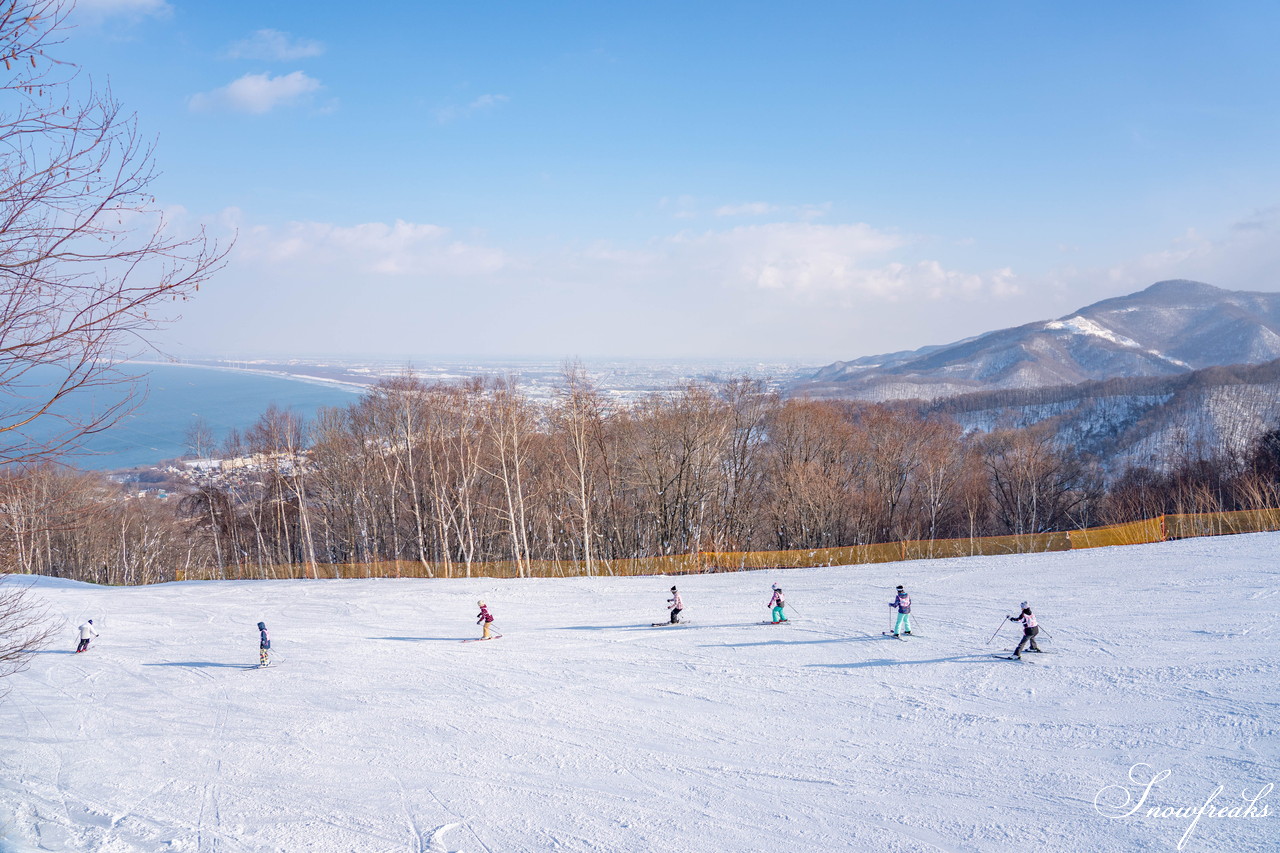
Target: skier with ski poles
(1030, 627)
(486, 619)
(264, 645)
(902, 601)
(777, 603)
(87, 632)
(675, 605)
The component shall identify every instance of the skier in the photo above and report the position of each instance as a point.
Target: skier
(87, 631)
(484, 618)
(675, 605)
(1030, 627)
(903, 602)
(777, 603)
(264, 645)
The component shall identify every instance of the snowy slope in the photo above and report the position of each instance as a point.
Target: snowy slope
(585, 729)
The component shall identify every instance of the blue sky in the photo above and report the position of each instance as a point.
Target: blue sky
(807, 180)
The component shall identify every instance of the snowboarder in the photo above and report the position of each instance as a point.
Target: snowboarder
(484, 618)
(1029, 630)
(777, 603)
(264, 645)
(675, 605)
(87, 632)
(903, 602)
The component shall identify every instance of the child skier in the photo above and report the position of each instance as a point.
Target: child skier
(777, 603)
(1029, 630)
(264, 645)
(675, 605)
(87, 631)
(903, 602)
(485, 619)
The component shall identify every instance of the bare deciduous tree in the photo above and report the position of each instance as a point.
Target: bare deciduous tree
(25, 628)
(88, 262)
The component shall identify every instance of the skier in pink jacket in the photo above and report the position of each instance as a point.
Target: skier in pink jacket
(777, 603)
(484, 618)
(675, 605)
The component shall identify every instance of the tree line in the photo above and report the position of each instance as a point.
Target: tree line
(450, 475)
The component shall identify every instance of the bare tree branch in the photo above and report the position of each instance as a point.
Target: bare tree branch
(89, 265)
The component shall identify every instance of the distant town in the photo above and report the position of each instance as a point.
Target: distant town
(621, 379)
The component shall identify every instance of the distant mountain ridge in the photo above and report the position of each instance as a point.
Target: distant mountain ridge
(1170, 328)
(1150, 420)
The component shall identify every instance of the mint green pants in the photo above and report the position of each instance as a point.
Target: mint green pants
(903, 624)
(778, 615)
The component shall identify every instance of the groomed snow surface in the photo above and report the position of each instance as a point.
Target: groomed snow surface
(585, 729)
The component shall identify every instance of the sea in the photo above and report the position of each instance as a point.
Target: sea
(174, 397)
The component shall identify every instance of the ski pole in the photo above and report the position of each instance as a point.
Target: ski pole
(998, 630)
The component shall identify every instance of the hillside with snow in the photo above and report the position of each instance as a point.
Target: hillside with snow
(1170, 328)
(1148, 421)
(584, 728)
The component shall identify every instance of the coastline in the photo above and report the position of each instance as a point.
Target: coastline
(349, 385)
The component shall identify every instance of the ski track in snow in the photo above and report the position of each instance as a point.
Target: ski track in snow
(384, 733)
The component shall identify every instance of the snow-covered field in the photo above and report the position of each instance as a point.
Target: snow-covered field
(586, 729)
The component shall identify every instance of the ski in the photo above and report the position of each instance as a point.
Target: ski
(666, 624)
(891, 634)
(1010, 657)
(780, 622)
(482, 639)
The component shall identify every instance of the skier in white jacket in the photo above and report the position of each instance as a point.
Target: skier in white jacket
(87, 631)
(675, 605)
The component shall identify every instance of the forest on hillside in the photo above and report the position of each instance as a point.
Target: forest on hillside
(468, 472)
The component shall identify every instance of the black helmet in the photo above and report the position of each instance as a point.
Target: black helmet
(262, 626)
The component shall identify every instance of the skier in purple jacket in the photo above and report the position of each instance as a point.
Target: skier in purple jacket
(903, 602)
(264, 645)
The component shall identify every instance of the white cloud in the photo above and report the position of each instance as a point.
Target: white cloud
(793, 289)
(679, 207)
(100, 9)
(274, 46)
(397, 249)
(482, 104)
(257, 93)
(755, 208)
(804, 259)
(1244, 255)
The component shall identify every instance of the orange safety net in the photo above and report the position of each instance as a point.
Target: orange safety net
(1130, 533)
(733, 561)
(1028, 543)
(1181, 526)
(1187, 525)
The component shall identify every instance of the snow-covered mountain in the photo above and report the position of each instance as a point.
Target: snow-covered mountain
(1171, 328)
(1151, 421)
